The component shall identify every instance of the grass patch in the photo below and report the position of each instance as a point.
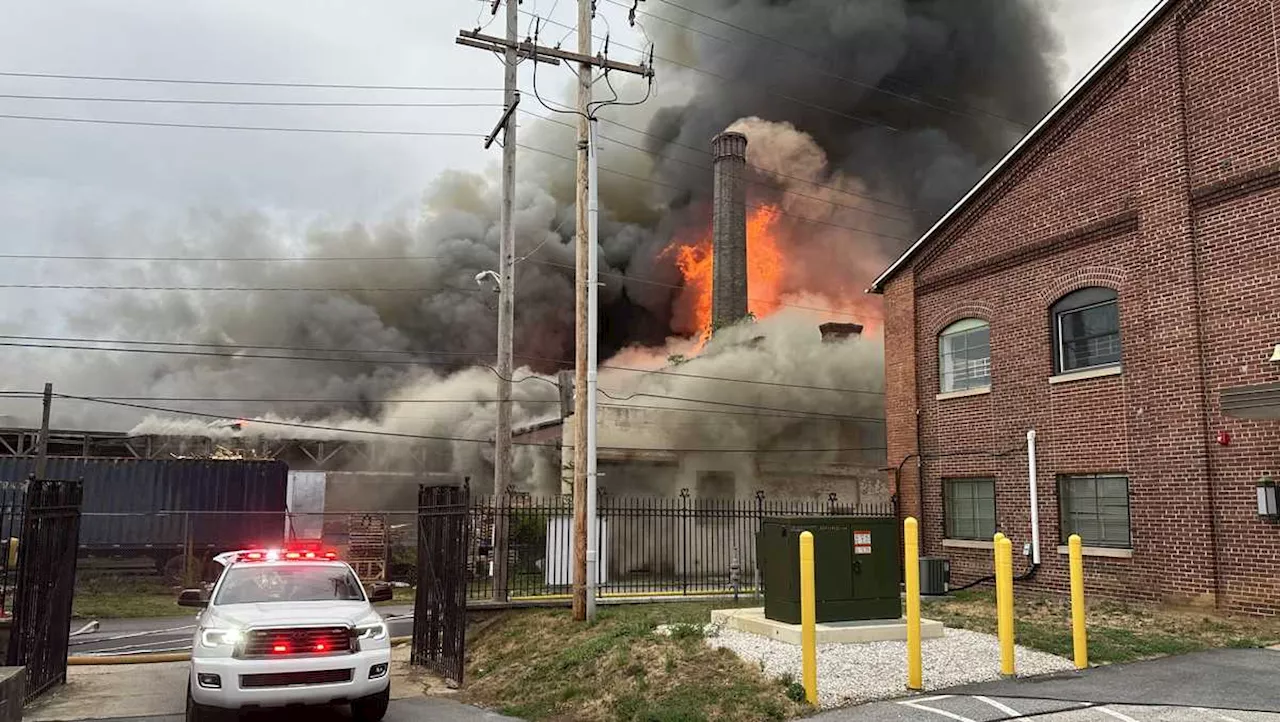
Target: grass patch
(1117, 632)
(539, 664)
(125, 598)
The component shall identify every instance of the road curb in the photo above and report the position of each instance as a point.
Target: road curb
(159, 657)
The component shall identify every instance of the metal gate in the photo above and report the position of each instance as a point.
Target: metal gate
(46, 515)
(440, 609)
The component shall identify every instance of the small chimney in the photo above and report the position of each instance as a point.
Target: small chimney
(729, 230)
(839, 331)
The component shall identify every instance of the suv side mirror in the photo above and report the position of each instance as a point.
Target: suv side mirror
(193, 598)
(381, 593)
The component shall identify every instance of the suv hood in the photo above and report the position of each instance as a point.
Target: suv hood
(293, 614)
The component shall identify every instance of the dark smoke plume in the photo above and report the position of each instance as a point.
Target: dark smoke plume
(941, 90)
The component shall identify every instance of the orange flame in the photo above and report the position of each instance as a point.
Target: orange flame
(764, 274)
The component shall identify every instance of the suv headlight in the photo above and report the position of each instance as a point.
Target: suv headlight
(213, 638)
(372, 631)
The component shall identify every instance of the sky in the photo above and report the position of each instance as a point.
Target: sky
(66, 186)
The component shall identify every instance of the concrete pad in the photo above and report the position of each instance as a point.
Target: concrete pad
(873, 630)
(107, 691)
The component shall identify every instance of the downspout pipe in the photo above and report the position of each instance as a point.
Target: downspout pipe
(1035, 498)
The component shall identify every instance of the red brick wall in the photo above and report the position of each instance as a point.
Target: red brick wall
(1163, 183)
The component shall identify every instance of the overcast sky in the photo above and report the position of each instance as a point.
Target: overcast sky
(60, 181)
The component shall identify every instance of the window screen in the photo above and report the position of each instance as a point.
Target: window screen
(964, 355)
(1095, 506)
(1086, 329)
(970, 508)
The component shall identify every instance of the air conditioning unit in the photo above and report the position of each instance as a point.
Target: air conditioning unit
(935, 576)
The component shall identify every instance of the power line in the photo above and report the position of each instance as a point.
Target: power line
(774, 173)
(274, 129)
(429, 437)
(749, 205)
(245, 83)
(807, 416)
(403, 352)
(814, 57)
(738, 405)
(263, 103)
(638, 279)
(259, 347)
(708, 168)
(220, 289)
(345, 259)
(696, 69)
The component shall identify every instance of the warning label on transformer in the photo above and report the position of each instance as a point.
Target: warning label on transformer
(862, 542)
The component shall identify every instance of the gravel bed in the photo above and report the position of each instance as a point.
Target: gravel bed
(855, 673)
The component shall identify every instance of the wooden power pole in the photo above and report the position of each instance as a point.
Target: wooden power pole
(587, 63)
(42, 452)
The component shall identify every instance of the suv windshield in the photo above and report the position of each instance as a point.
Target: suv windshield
(250, 584)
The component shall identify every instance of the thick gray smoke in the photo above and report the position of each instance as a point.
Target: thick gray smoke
(902, 100)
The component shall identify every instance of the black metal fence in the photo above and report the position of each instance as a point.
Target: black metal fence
(44, 517)
(440, 607)
(649, 546)
(674, 546)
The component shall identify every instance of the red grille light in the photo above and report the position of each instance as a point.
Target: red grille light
(280, 648)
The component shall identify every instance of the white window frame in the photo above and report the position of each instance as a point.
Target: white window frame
(962, 326)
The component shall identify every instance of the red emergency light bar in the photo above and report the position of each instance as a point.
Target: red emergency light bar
(260, 555)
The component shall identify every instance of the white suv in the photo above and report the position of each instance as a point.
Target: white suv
(283, 628)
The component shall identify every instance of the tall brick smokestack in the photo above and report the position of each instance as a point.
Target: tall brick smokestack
(729, 230)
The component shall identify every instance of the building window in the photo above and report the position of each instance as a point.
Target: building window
(1086, 330)
(1095, 506)
(970, 508)
(964, 355)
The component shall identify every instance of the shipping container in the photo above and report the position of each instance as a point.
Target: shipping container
(151, 507)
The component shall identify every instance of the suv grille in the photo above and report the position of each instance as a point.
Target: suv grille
(297, 641)
(289, 679)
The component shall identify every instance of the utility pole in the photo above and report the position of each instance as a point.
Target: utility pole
(506, 307)
(584, 554)
(582, 254)
(502, 447)
(42, 457)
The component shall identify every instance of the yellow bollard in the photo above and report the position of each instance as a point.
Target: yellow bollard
(808, 621)
(1078, 637)
(13, 553)
(1004, 602)
(911, 568)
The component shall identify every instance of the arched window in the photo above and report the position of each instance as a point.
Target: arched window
(1086, 330)
(964, 355)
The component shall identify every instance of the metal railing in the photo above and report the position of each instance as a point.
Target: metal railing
(649, 546)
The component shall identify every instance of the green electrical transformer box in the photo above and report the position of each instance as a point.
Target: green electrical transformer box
(855, 567)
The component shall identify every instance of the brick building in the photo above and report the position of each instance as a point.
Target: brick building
(1113, 284)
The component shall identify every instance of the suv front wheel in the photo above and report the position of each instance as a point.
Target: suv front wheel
(368, 709)
(198, 712)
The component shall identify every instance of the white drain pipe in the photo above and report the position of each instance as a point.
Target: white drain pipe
(1035, 502)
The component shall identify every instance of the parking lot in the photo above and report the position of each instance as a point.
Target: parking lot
(1223, 685)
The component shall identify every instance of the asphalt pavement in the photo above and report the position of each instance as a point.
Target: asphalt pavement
(1223, 685)
(417, 709)
(173, 634)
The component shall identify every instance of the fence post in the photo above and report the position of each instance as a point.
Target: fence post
(684, 543)
(755, 565)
